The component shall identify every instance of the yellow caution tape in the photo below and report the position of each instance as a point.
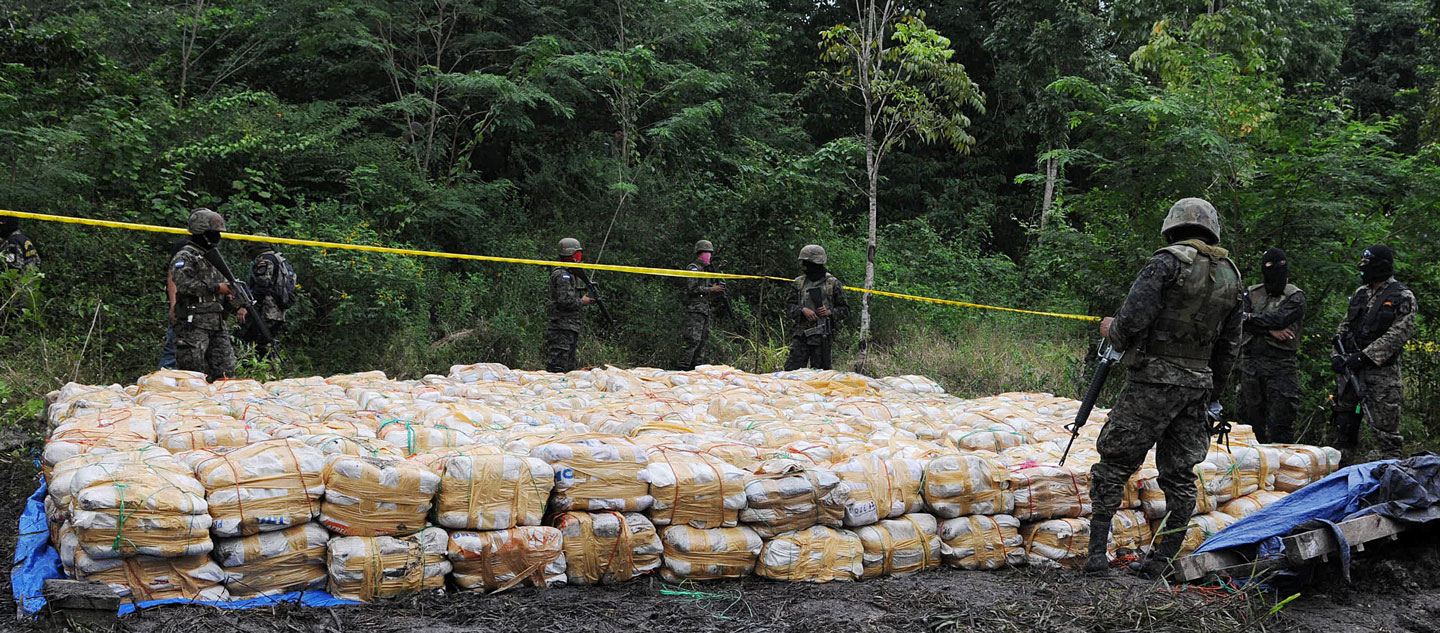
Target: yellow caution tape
(638, 270)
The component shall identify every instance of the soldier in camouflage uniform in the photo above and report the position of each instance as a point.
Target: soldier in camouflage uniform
(17, 250)
(815, 322)
(1270, 373)
(265, 278)
(701, 296)
(1377, 325)
(202, 297)
(562, 309)
(1180, 329)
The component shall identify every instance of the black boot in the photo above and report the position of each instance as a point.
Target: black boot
(1097, 561)
(1158, 564)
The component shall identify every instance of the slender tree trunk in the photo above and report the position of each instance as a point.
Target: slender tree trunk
(187, 48)
(1051, 167)
(872, 172)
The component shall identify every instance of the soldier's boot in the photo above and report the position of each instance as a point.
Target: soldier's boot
(1097, 561)
(1346, 424)
(1158, 564)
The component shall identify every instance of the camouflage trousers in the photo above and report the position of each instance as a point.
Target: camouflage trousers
(695, 332)
(560, 347)
(202, 349)
(1169, 418)
(1384, 391)
(806, 354)
(1269, 398)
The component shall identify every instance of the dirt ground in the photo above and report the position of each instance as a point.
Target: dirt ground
(1395, 588)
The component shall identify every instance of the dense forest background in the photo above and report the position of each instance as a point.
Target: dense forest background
(640, 126)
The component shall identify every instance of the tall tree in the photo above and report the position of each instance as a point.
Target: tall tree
(899, 73)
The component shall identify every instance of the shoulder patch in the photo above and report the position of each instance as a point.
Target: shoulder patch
(565, 275)
(179, 263)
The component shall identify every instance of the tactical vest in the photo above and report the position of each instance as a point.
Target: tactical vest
(209, 303)
(1204, 293)
(803, 285)
(1262, 303)
(1368, 324)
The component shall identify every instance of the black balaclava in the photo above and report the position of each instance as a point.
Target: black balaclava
(1276, 271)
(208, 239)
(1381, 265)
(814, 271)
(8, 225)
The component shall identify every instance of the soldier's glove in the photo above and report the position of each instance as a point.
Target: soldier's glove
(1337, 364)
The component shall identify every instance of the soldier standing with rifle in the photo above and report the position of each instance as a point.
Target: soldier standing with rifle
(202, 297)
(701, 295)
(1180, 330)
(1377, 325)
(562, 309)
(816, 306)
(1269, 370)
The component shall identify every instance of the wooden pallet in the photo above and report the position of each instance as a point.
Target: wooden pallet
(1300, 549)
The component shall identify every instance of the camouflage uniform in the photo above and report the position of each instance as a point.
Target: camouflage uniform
(562, 309)
(201, 341)
(1181, 345)
(1379, 323)
(699, 310)
(264, 275)
(1270, 373)
(19, 252)
(814, 350)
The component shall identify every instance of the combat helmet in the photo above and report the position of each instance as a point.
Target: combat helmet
(202, 220)
(1194, 212)
(813, 253)
(568, 246)
(704, 246)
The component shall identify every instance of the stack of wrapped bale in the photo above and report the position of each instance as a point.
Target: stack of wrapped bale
(264, 498)
(607, 547)
(367, 568)
(787, 495)
(900, 546)
(371, 496)
(816, 554)
(143, 527)
(495, 560)
(1302, 465)
(982, 542)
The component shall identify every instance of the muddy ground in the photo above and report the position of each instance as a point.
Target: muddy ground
(1395, 587)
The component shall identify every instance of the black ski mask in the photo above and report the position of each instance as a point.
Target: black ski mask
(1378, 264)
(1276, 271)
(208, 239)
(814, 271)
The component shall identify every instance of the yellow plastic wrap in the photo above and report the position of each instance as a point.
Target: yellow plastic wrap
(1301, 465)
(596, 473)
(696, 554)
(496, 560)
(367, 568)
(1057, 542)
(367, 496)
(272, 563)
(604, 548)
(272, 485)
(970, 483)
(693, 488)
(785, 495)
(1048, 492)
(492, 492)
(815, 554)
(896, 547)
(880, 488)
(982, 542)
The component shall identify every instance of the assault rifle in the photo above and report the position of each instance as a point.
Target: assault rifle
(1108, 357)
(822, 327)
(241, 293)
(1348, 378)
(593, 290)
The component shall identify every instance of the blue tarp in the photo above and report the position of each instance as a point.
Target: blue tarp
(1331, 499)
(36, 560)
